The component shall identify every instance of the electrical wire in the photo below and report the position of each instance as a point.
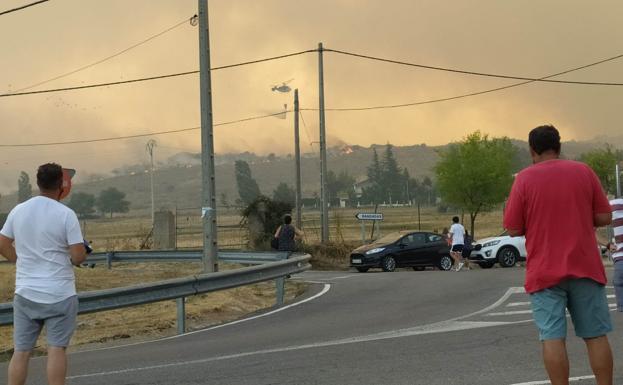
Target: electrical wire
(22, 7)
(483, 73)
(468, 94)
(139, 135)
(107, 57)
(154, 77)
(311, 143)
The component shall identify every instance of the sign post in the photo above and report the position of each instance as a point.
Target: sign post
(376, 219)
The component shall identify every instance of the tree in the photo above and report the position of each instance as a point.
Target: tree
(82, 203)
(247, 186)
(111, 201)
(24, 189)
(374, 193)
(284, 193)
(603, 161)
(476, 174)
(392, 180)
(341, 183)
(262, 217)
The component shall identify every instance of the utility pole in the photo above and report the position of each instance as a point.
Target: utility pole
(208, 191)
(297, 156)
(150, 149)
(324, 213)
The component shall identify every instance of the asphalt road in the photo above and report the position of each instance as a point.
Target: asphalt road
(407, 327)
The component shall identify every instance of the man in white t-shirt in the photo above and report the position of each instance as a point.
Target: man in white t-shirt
(457, 235)
(47, 242)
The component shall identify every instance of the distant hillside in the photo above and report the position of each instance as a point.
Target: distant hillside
(178, 182)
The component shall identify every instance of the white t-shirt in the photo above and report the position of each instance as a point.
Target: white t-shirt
(617, 226)
(43, 230)
(458, 234)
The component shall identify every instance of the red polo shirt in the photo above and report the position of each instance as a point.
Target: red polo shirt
(554, 203)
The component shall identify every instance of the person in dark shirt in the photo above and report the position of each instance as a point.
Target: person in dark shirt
(287, 234)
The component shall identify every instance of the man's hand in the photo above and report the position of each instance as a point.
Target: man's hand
(7, 250)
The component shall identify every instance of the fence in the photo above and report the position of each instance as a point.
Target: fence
(189, 230)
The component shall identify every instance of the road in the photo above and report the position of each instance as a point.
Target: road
(408, 327)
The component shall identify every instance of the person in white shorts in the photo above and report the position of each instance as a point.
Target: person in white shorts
(42, 236)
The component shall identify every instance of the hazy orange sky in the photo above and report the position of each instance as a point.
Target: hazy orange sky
(527, 38)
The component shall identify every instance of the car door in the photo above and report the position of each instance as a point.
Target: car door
(434, 246)
(416, 242)
(406, 250)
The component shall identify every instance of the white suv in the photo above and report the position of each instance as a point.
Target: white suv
(504, 249)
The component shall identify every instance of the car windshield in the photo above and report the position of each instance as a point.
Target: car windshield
(389, 238)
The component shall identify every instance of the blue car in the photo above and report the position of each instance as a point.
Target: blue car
(416, 249)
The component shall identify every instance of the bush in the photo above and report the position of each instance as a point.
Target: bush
(262, 218)
(3, 217)
(330, 256)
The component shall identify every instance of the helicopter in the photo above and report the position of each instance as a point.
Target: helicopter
(283, 87)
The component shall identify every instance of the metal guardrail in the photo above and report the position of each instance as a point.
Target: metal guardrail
(179, 288)
(242, 257)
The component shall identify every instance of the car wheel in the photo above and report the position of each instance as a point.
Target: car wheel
(445, 263)
(419, 268)
(486, 265)
(389, 263)
(507, 256)
(363, 269)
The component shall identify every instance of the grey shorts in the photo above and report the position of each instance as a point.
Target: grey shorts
(618, 283)
(29, 318)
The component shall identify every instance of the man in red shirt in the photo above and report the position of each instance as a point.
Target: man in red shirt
(557, 204)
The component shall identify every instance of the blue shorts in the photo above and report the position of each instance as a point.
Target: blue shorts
(587, 304)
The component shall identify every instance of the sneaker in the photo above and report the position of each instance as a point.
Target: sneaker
(460, 266)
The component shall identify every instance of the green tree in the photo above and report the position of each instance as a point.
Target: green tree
(392, 180)
(603, 161)
(24, 189)
(476, 174)
(340, 183)
(82, 203)
(111, 201)
(374, 192)
(247, 186)
(284, 193)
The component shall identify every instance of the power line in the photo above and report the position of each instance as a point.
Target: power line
(483, 73)
(139, 135)
(468, 94)
(154, 77)
(107, 57)
(22, 7)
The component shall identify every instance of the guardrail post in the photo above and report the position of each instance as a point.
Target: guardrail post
(109, 257)
(281, 286)
(181, 315)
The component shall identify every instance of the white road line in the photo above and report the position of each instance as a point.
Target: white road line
(509, 313)
(512, 304)
(454, 324)
(611, 296)
(571, 379)
(326, 288)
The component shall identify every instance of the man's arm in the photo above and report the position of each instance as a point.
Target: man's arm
(515, 233)
(77, 254)
(7, 250)
(602, 219)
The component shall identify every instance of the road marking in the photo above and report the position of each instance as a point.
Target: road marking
(611, 296)
(454, 324)
(571, 379)
(324, 290)
(509, 313)
(512, 304)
